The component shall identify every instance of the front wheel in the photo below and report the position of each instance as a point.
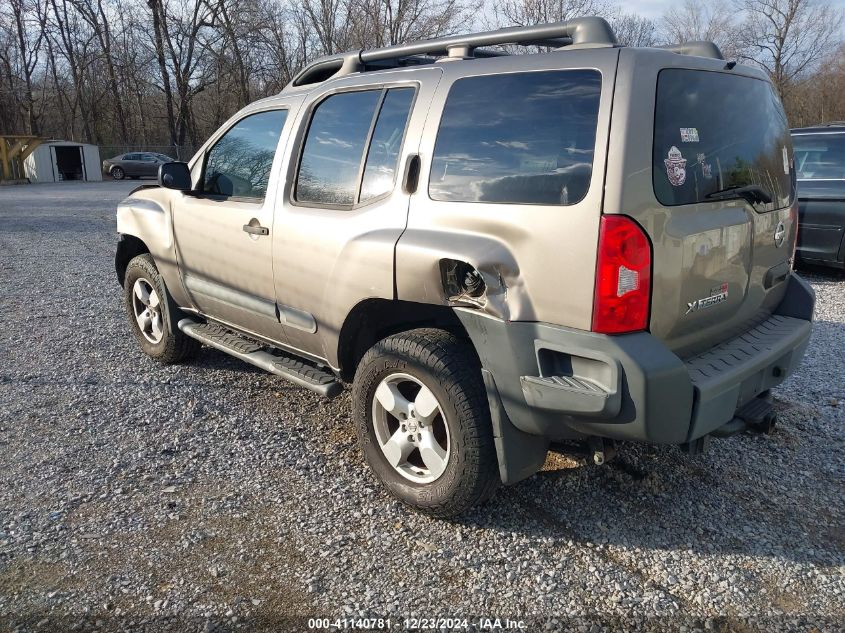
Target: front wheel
(153, 316)
(423, 422)
(117, 173)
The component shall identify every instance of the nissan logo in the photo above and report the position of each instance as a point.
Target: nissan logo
(780, 234)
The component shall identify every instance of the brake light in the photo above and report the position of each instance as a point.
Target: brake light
(623, 277)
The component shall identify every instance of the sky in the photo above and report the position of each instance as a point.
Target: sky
(655, 8)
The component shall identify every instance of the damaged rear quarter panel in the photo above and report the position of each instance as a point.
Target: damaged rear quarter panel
(537, 261)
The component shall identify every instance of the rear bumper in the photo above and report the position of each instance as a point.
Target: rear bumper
(561, 383)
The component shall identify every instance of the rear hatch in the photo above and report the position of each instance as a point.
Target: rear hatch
(718, 206)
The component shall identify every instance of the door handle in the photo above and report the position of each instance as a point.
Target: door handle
(256, 230)
(412, 174)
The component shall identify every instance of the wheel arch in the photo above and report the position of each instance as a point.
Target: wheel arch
(372, 320)
(128, 247)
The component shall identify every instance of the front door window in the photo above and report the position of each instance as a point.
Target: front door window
(238, 165)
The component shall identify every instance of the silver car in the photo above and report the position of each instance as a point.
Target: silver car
(135, 165)
(497, 251)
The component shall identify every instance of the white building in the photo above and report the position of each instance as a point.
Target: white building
(57, 161)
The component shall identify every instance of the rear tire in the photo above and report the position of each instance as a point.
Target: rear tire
(117, 173)
(153, 316)
(423, 423)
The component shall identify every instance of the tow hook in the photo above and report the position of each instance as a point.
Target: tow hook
(603, 449)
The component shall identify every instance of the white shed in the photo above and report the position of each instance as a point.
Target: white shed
(56, 161)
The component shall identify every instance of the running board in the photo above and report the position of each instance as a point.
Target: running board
(296, 370)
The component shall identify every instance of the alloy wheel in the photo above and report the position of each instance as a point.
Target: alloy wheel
(410, 428)
(147, 309)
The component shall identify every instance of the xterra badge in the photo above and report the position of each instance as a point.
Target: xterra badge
(717, 295)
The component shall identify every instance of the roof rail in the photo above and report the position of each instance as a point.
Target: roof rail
(699, 49)
(587, 30)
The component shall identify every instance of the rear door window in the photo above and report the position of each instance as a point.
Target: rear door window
(352, 147)
(819, 156)
(523, 138)
(716, 130)
(380, 168)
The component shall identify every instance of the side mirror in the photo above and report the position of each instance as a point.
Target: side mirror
(174, 176)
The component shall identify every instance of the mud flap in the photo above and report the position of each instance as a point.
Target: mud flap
(520, 455)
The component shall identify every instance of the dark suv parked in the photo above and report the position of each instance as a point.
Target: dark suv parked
(820, 168)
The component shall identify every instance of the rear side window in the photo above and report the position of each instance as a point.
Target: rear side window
(713, 131)
(819, 156)
(526, 138)
(380, 168)
(239, 163)
(346, 130)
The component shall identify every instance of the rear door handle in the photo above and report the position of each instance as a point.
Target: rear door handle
(256, 230)
(412, 174)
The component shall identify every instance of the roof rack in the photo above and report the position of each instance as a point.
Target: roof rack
(591, 31)
(699, 49)
(588, 30)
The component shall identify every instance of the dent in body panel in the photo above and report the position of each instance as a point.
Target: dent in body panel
(421, 252)
(537, 260)
(146, 214)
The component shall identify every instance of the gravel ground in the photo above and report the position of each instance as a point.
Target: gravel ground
(212, 496)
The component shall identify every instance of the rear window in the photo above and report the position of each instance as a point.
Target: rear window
(819, 156)
(524, 138)
(713, 131)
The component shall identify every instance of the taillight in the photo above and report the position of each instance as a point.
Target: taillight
(623, 277)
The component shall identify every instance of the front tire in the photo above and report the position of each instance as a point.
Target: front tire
(153, 316)
(117, 173)
(423, 422)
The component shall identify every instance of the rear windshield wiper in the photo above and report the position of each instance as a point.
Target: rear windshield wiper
(751, 193)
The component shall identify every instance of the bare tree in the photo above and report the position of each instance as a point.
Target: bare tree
(172, 71)
(179, 29)
(330, 22)
(388, 22)
(635, 30)
(819, 97)
(25, 22)
(788, 38)
(697, 21)
(74, 43)
(94, 13)
(527, 12)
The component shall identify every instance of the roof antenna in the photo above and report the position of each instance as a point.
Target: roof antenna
(730, 65)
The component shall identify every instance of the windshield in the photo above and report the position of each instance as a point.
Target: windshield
(713, 131)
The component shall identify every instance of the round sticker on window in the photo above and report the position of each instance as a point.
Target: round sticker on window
(676, 167)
